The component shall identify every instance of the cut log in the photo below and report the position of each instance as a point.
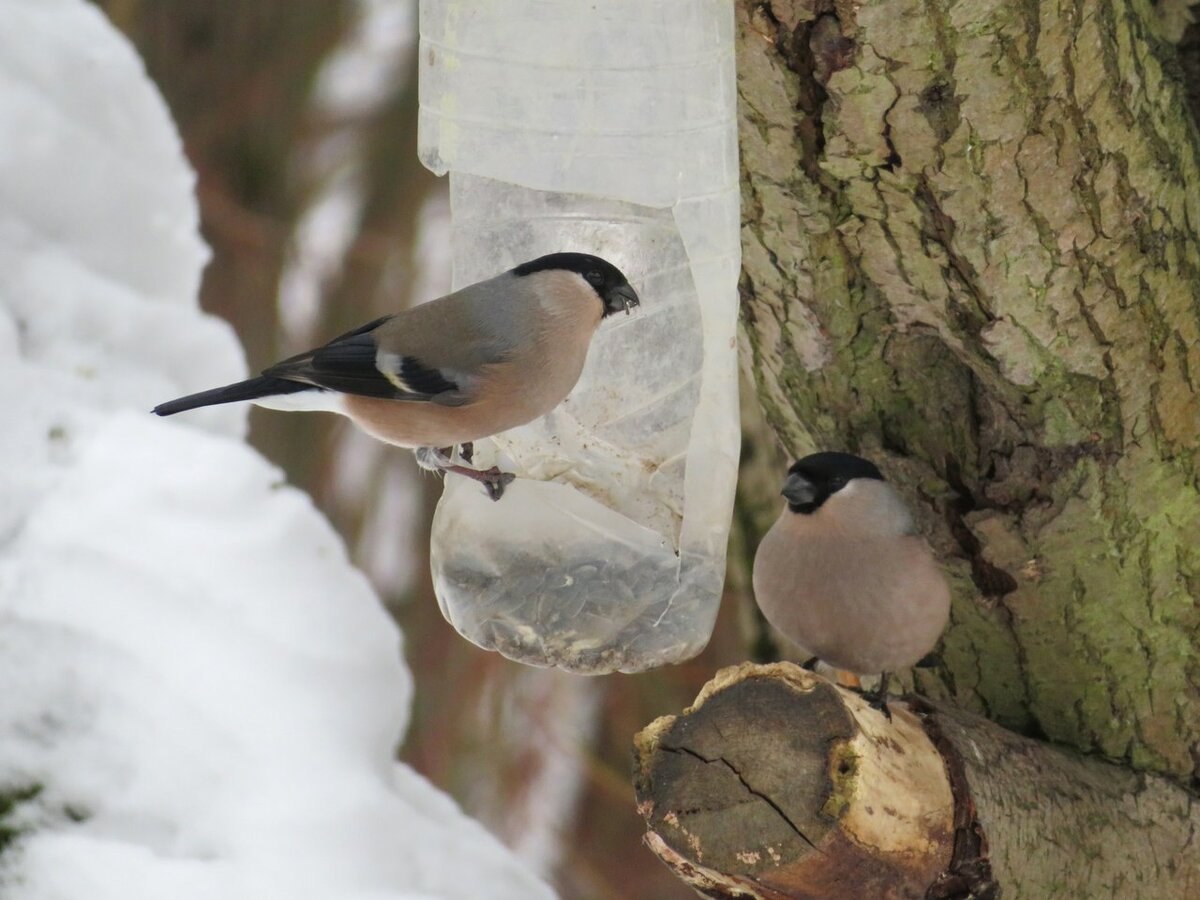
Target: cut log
(779, 784)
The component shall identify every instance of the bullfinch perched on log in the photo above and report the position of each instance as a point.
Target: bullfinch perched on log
(489, 357)
(844, 575)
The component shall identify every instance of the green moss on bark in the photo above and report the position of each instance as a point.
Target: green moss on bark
(970, 251)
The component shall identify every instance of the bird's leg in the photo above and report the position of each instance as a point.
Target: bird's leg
(492, 479)
(438, 459)
(877, 699)
(466, 452)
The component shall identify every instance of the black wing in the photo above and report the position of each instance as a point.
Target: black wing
(350, 364)
(423, 379)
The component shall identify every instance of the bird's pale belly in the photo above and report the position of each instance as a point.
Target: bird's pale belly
(510, 397)
(867, 605)
(427, 424)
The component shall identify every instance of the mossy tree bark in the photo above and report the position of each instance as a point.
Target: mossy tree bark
(970, 252)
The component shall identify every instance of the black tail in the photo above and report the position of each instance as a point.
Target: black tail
(250, 389)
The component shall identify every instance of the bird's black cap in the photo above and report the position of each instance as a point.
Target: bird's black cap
(813, 479)
(606, 279)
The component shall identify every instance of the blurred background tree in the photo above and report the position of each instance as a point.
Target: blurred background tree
(299, 117)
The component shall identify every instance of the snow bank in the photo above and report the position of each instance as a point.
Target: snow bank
(201, 690)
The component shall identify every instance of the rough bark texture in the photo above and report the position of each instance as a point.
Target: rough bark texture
(1053, 824)
(778, 784)
(970, 252)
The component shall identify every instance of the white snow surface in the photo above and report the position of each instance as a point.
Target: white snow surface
(208, 694)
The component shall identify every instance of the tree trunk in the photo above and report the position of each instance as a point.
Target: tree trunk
(970, 253)
(777, 783)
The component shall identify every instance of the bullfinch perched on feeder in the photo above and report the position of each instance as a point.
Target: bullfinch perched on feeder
(843, 574)
(492, 356)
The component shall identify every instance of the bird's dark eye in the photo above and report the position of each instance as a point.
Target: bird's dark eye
(837, 482)
(594, 278)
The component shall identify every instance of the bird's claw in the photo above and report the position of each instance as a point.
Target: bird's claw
(494, 481)
(441, 459)
(877, 699)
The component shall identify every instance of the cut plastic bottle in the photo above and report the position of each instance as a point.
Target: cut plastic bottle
(605, 128)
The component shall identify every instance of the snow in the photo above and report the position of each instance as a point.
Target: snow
(207, 693)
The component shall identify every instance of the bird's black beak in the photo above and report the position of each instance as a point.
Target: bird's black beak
(621, 298)
(799, 491)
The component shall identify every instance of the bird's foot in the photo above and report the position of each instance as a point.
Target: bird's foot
(493, 480)
(877, 698)
(440, 459)
(879, 702)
